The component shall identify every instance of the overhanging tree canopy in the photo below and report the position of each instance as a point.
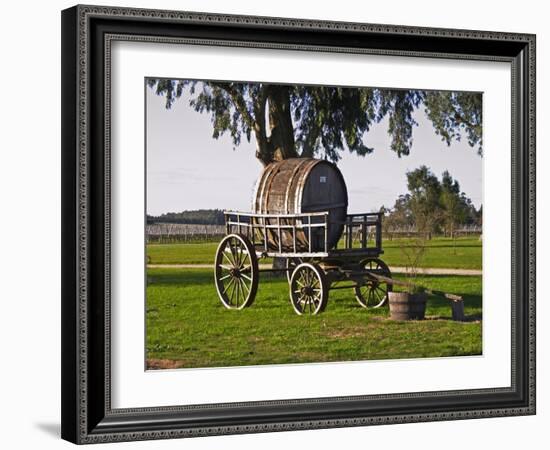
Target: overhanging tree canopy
(298, 120)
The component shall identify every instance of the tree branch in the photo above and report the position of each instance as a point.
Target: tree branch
(238, 101)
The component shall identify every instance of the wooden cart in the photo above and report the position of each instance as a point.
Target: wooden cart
(314, 265)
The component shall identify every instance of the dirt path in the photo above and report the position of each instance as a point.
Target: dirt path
(422, 271)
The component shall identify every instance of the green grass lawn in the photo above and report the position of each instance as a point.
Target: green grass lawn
(462, 253)
(187, 326)
(202, 253)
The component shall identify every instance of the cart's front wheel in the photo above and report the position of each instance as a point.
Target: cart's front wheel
(308, 289)
(373, 293)
(236, 271)
(291, 264)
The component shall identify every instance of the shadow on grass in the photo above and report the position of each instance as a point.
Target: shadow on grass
(470, 300)
(443, 308)
(430, 276)
(473, 318)
(273, 290)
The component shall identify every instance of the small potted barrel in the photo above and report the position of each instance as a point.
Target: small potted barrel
(411, 304)
(407, 305)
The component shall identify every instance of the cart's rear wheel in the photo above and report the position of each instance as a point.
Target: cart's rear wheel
(373, 294)
(236, 271)
(291, 264)
(308, 289)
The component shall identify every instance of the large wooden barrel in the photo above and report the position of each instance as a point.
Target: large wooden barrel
(302, 185)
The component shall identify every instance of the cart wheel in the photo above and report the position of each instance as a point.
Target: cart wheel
(236, 272)
(291, 264)
(373, 294)
(308, 289)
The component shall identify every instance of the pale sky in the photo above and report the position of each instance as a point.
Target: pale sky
(187, 169)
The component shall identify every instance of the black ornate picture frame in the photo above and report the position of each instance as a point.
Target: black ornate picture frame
(87, 35)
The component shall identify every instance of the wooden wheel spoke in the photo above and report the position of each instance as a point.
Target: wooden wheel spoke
(303, 278)
(236, 272)
(309, 278)
(237, 292)
(369, 297)
(226, 287)
(230, 293)
(307, 289)
(381, 290)
(232, 248)
(242, 257)
(242, 290)
(246, 276)
(224, 253)
(245, 285)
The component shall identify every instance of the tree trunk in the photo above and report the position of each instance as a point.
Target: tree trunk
(280, 123)
(278, 143)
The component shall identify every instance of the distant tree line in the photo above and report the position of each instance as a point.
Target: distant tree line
(199, 216)
(432, 206)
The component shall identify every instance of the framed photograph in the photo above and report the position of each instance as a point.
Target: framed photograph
(282, 224)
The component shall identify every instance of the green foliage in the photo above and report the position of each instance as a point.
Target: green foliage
(329, 119)
(418, 289)
(431, 205)
(425, 198)
(455, 205)
(400, 217)
(454, 113)
(399, 106)
(322, 121)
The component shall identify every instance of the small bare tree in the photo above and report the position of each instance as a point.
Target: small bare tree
(413, 250)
